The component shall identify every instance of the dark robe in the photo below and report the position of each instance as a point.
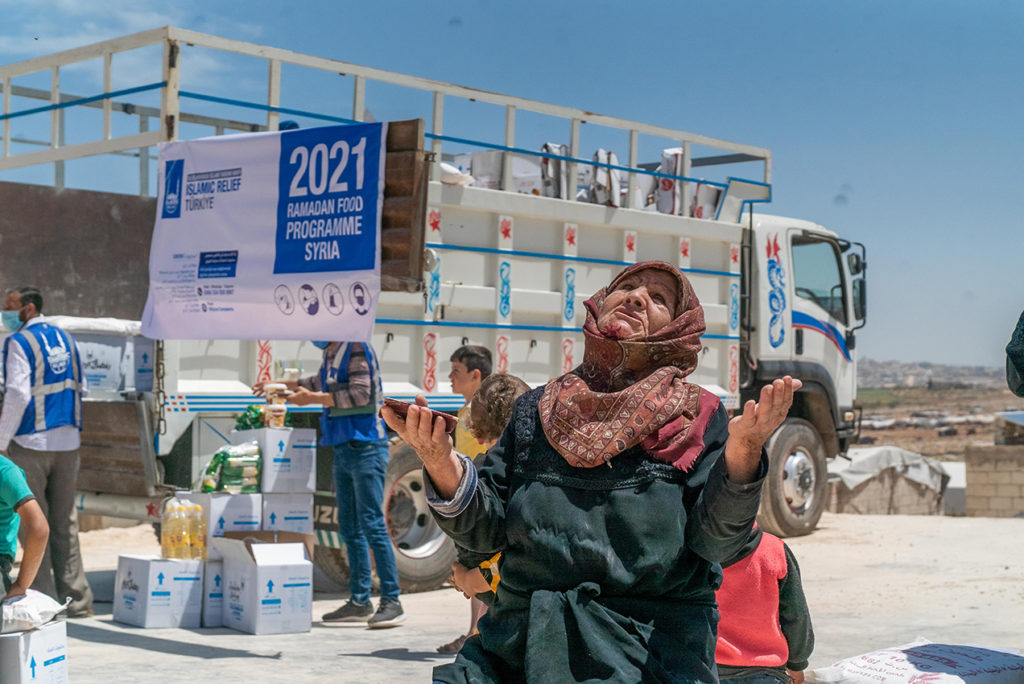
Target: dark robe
(608, 573)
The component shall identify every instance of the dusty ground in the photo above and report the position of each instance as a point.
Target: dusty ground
(871, 582)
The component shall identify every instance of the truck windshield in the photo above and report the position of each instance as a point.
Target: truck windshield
(816, 275)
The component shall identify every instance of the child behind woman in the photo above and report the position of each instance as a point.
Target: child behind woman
(490, 411)
(765, 634)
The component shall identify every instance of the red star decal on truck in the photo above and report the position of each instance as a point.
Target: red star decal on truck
(435, 221)
(734, 254)
(506, 229)
(570, 235)
(152, 510)
(630, 242)
(684, 249)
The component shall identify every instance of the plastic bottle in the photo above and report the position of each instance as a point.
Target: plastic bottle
(180, 547)
(197, 532)
(165, 528)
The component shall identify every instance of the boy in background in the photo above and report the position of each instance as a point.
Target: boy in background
(471, 364)
(19, 509)
(764, 634)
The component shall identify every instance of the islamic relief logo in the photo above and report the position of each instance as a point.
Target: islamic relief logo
(569, 310)
(174, 170)
(505, 289)
(734, 307)
(58, 360)
(776, 293)
(434, 289)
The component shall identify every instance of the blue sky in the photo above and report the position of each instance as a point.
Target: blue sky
(894, 124)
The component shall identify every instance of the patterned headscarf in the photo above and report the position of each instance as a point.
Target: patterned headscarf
(628, 392)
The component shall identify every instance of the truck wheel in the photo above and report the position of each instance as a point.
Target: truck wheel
(793, 496)
(423, 553)
(333, 563)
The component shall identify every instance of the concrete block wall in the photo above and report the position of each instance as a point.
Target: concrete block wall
(995, 480)
(888, 493)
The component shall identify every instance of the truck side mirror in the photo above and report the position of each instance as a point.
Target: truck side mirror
(855, 263)
(860, 299)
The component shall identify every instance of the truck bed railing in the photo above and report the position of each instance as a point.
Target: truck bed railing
(169, 116)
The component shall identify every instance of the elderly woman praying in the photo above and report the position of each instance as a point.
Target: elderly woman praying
(614, 492)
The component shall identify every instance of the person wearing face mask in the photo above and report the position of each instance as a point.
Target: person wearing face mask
(348, 386)
(40, 430)
(613, 494)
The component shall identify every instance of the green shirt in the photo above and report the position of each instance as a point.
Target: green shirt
(14, 492)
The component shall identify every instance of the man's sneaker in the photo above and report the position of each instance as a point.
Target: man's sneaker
(350, 612)
(389, 614)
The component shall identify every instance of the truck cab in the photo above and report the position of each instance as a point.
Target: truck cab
(807, 300)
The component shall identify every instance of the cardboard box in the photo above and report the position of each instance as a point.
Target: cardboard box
(227, 513)
(213, 594)
(150, 591)
(526, 175)
(288, 512)
(289, 458)
(487, 167)
(268, 582)
(38, 656)
(464, 163)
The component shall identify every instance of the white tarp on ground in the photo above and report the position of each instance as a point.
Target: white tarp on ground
(110, 326)
(865, 464)
(922, 661)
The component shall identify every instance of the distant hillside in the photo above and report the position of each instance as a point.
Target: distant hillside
(871, 373)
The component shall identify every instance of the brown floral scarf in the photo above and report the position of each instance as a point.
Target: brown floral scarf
(629, 392)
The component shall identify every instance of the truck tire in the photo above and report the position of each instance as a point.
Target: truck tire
(793, 496)
(333, 563)
(423, 553)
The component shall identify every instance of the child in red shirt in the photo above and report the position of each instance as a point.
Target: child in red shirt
(764, 634)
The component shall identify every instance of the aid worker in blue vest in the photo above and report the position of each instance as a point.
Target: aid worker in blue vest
(348, 386)
(40, 431)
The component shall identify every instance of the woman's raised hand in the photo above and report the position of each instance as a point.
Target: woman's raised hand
(431, 443)
(749, 430)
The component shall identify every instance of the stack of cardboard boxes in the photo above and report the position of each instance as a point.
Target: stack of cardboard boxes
(258, 576)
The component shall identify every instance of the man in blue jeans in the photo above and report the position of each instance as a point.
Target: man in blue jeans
(348, 387)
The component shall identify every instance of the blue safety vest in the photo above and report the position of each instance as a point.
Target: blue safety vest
(339, 425)
(56, 376)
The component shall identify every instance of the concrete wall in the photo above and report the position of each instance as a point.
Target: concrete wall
(888, 493)
(995, 480)
(88, 252)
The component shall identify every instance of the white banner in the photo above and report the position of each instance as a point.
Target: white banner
(268, 236)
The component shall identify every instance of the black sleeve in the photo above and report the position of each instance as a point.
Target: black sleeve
(794, 618)
(479, 529)
(1015, 360)
(722, 512)
(470, 559)
(23, 501)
